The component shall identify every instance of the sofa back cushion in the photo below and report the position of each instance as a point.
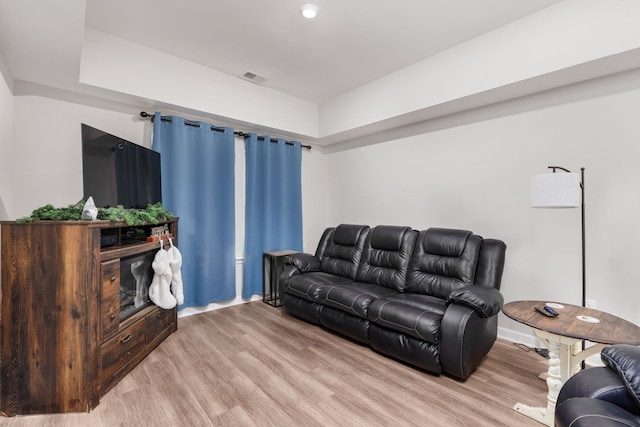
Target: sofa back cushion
(340, 249)
(443, 260)
(386, 256)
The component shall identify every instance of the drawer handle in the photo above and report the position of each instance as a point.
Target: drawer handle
(113, 278)
(161, 314)
(113, 316)
(125, 338)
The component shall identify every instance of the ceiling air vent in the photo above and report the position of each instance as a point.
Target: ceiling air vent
(254, 78)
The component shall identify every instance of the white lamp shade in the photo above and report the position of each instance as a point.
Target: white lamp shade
(556, 190)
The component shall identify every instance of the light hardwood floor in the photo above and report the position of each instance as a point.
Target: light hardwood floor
(254, 365)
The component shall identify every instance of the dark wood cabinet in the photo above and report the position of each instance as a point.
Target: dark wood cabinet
(64, 342)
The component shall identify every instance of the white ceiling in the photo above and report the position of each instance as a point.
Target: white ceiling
(349, 43)
(335, 65)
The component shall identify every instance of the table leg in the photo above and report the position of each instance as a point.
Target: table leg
(566, 361)
(554, 383)
(571, 358)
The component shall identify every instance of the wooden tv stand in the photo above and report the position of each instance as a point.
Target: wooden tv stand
(63, 345)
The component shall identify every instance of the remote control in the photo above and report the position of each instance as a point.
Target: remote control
(551, 310)
(545, 312)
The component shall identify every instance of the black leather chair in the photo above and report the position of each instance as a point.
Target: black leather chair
(603, 396)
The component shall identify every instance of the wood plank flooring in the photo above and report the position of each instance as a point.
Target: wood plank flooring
(254, 365)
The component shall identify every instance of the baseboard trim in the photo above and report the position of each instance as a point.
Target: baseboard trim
(528, 339)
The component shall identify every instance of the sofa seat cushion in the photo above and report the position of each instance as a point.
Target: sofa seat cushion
(353, 298)
(415, 315)
(308, 286)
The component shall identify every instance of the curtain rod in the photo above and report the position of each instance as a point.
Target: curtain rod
(241, 134)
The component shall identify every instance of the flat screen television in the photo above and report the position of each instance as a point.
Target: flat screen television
(119, 172)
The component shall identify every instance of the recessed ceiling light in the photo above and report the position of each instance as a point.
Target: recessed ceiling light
(309, 11)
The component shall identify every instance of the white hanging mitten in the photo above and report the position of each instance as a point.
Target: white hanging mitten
(175, 261)
(159, 291)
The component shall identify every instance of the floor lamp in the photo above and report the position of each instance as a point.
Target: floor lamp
(563, 189)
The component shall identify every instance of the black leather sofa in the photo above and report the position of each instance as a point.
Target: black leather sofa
(428, 298)
(607, 396)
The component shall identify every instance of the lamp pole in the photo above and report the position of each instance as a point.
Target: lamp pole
(582, 223)
(584, 260)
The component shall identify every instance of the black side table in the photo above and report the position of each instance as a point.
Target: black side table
(272, 266)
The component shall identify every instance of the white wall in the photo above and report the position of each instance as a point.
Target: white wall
(47, 152)
(122, 66)
(477, 176)
(6, 139)
(314, 193)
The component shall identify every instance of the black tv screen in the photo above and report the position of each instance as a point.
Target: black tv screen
(119, 172)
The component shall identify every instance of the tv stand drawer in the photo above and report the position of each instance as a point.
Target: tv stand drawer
(118, 351)
(110, 297)
(157, 321)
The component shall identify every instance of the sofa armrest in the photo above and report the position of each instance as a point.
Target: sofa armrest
(624, 360)
(585, 412)
(296, 264)
(485, 301)
(598, 383)
(304, 263)
(465, 339)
